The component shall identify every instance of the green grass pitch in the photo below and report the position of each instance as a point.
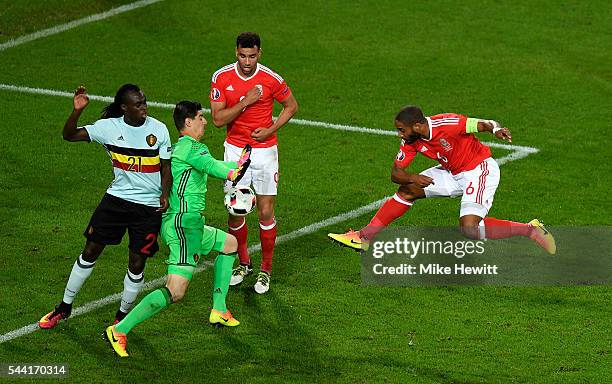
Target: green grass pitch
(542, 68)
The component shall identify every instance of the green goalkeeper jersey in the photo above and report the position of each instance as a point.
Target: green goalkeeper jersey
(191, 165)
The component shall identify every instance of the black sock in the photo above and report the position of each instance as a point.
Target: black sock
(66, 308)
(120, 315)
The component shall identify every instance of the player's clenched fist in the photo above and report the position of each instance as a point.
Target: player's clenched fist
(261, 134)
(252, 95)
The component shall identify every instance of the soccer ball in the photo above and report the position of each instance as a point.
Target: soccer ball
(239, 201)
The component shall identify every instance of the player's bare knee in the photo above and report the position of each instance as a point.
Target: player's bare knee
(408, 192)
(137, 263)
(469, 227)
(265, 207)
(235, 221)
(177, 291)
(177, 295)
(266, 213)
(89, 256)
(406, 195)
(92, 251)
(231, 244)
(470, 232)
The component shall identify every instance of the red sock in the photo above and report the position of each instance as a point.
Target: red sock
(390, 210)
(241, 232)
(501, 229)
(267, 236)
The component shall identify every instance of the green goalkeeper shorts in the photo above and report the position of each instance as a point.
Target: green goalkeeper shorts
(189, 239)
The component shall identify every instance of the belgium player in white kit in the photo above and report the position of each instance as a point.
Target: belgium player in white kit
(242, 97)
(466, 170)
(139, 149)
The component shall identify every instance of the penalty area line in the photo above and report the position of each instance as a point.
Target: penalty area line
(307, 230)
(519, 150)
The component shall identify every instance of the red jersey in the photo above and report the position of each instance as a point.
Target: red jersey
(230, 87)
(448, 143)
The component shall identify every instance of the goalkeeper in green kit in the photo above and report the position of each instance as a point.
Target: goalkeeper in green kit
(183, 227)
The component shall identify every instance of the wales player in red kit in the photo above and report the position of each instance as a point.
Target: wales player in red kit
(466, 169)
(242, 97)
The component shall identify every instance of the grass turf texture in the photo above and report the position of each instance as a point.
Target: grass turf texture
(539, 68)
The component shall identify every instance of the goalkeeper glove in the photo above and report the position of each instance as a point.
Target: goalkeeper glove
(245, 155)
(236, 174)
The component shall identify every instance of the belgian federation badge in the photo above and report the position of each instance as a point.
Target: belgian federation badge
(151, 140)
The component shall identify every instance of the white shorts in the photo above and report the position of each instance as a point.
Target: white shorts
(477, 187)
(263, 171)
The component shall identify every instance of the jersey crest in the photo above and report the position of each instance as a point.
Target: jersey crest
(151, 140)
(446, 145)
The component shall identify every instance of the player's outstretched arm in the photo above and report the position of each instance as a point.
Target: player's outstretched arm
(232, 171)
(495, 128)
(71, 132)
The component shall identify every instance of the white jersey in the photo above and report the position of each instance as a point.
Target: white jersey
(135, 154)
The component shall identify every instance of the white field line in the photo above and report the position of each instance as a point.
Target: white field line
(75, 23)
(519, 151)
(88, 307)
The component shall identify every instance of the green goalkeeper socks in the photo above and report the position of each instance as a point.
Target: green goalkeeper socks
(223, 274)
(159, 299)
(148, 307)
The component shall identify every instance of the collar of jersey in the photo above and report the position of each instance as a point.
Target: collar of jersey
(189, 137)
(245, 78)
(430, 130)
(122, 121)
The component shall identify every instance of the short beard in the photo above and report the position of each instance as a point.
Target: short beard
(412, 138)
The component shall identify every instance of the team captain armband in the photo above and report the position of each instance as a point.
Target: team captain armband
(471, 126)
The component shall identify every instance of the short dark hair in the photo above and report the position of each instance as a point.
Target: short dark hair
(410, 115)
(185, 109)
(248, 40)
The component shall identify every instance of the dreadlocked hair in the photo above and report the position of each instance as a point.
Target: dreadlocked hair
(114, 108)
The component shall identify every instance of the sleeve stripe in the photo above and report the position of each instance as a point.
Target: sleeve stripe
(272, 73)
(223, 69)
(447, 121)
